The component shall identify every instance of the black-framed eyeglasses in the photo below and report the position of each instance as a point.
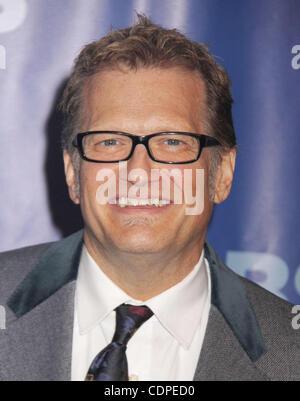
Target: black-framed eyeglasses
(162, 147)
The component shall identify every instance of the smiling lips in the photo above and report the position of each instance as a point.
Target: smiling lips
(136, 202)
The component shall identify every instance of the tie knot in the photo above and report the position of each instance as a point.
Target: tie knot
(129, 319)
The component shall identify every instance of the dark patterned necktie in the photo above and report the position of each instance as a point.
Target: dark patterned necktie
(111, 363)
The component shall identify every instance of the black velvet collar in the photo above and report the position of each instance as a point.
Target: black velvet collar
(59, 266)
(229, 295)
(56, 268)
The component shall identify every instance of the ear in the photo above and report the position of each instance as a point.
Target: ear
(70, 174)
(224, 176)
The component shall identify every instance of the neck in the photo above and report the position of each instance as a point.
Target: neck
(144, 275)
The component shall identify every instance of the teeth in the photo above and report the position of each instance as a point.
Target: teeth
(123, 202)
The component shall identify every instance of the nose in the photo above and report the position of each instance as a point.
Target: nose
(140, 158)
(139, 165)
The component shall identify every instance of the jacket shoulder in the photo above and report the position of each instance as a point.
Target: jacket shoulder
(256, 290)
(29, 252)
(15, 265)
(275, 316)
(273, 313)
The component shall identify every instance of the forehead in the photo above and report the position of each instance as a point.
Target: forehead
(146, 99)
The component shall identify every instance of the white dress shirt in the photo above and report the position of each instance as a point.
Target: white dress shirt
(166, 347)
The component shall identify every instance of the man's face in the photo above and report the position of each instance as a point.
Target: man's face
(142, 102)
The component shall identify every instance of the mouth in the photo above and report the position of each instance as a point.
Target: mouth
(135, 202)
(132, 205)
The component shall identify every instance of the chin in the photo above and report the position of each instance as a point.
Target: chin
(139, 242)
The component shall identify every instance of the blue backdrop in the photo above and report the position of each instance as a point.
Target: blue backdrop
(256, 231)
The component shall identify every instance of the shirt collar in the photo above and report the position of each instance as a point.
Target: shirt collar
(179, 309)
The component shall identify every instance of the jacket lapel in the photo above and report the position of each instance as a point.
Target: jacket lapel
(57, 267)
(222, 357)
(233, 341)
(38, 345)
(41, 315)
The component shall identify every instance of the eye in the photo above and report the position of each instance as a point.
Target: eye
(109, 142)
(173, 142)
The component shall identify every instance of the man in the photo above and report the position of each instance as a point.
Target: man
(140, 294)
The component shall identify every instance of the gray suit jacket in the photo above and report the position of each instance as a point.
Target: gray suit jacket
(249, 334)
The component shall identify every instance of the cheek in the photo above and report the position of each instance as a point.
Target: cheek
(196, 178)
(204, 166)
(197, 191)
(97, 181)
(88, 181)
(88, 176)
